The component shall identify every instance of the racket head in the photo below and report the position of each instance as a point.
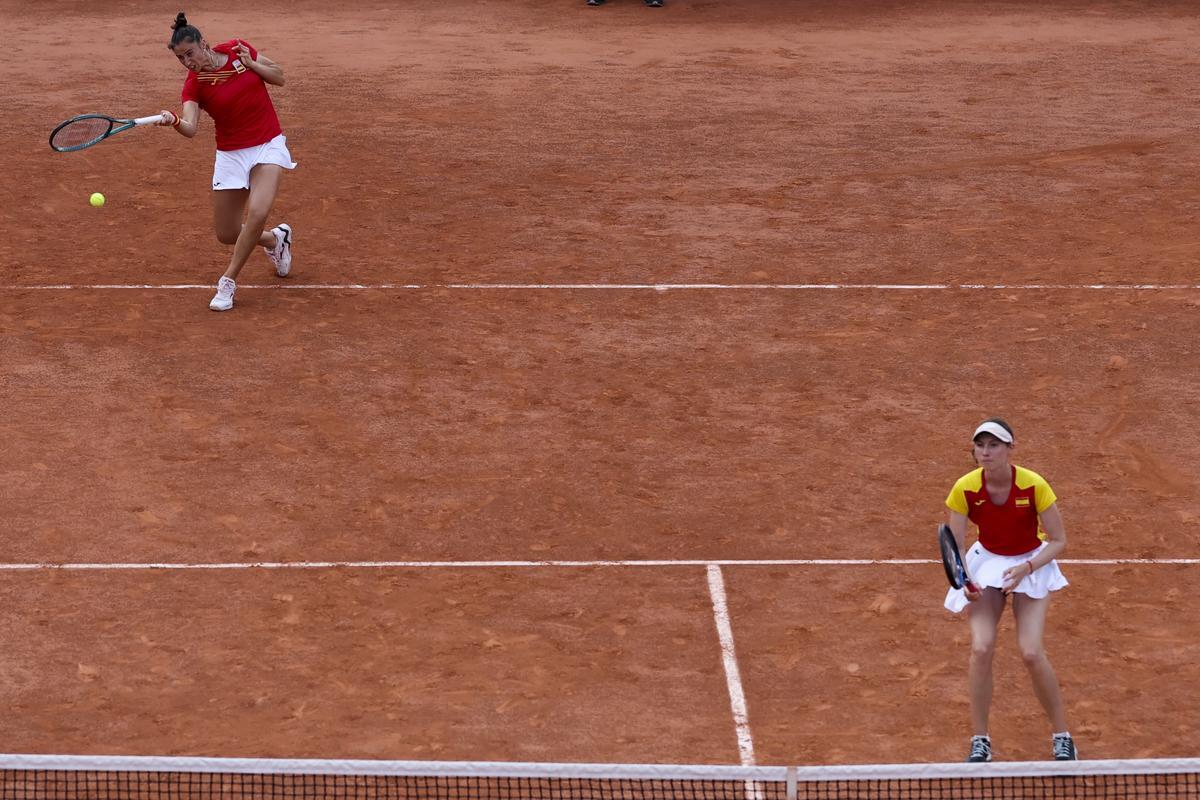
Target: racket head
(951, 558)
(82, 131)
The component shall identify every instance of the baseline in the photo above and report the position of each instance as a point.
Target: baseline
(661, 287)
(716, 562)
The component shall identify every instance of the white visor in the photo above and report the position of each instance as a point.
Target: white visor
(995, 429)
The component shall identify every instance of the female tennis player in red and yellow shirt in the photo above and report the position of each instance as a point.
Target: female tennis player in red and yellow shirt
(1020, 535)
(229, 81)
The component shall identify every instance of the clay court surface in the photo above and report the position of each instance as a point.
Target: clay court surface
(450, 147)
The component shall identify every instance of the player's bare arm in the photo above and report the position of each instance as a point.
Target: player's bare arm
(264, 67)
(186, 121)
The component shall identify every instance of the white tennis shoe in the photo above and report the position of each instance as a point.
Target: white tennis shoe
(223, 299)
(281, 254)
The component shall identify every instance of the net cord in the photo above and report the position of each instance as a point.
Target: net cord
(498, 769)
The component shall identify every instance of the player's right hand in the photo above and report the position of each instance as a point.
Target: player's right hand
(168, 118)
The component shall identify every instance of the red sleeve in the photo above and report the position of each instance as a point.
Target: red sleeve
(189, 89)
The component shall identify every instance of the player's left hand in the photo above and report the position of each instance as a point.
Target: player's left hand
(1014, 575)
(242, 51)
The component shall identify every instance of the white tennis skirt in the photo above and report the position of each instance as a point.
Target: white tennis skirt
(232, 169)
(987, 569)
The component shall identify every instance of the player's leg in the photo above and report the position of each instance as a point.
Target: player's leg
(281, 238)
(277, 243)
(984, 617)
(229, 207)
(1030, 614)
(239, 216)
(264, 185)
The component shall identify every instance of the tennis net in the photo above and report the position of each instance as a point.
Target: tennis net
(29, 777)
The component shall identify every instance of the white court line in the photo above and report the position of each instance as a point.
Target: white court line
(780, 562)
(733, 678)
(660, 287)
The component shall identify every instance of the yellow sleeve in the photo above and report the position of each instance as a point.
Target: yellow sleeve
(957, 500)
(1043, 495)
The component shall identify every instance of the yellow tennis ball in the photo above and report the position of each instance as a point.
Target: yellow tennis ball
(97, 199)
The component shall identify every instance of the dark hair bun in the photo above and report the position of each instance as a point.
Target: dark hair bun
(180, 21)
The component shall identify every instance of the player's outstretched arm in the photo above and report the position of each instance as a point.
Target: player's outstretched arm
(186, 121)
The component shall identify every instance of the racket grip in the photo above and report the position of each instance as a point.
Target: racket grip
(154, 120)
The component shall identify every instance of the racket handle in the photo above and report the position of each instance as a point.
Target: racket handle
(154, 120)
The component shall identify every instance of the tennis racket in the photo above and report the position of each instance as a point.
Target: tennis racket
(956, 573)
(89, 129)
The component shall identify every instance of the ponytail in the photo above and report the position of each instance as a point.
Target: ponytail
(182, 31)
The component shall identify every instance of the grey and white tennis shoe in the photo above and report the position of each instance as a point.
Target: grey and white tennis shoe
(223, 299)
(281, 254)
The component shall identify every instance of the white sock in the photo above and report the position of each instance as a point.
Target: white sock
(1066, 734)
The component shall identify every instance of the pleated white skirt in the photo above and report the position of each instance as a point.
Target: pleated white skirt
(987, 569)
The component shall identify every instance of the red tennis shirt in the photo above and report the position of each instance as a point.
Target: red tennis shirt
(237, 100)
(1009, 528)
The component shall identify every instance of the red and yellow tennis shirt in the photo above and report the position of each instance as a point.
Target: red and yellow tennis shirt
(1009, 528)
(237, 100)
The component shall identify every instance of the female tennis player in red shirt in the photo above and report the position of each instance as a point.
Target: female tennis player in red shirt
(229, 81)
(1020, 535)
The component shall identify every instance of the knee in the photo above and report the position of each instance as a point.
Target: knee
(982, 651)
(256, 219)
(1033, 656)
(227, 236)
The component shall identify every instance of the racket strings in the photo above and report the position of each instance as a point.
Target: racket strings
(81, 131)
